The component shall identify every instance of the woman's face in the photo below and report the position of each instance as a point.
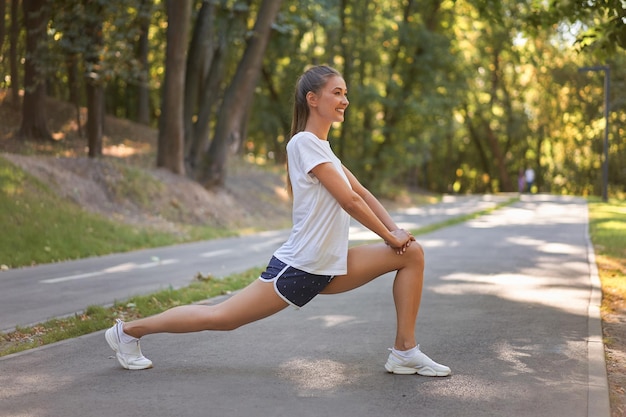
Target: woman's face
(332, 100)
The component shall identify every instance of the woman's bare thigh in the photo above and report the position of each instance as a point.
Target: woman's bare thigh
(368, 262)
(256, 301)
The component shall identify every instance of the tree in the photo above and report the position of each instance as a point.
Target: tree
(202, 79)
(3, 7)
(234, 110)
(401, 104)
(170, 153)
(143, 48)
(93, 47)
(445, 95)
(13, 57)
(94, 77)
(34, 124)
(603, 22)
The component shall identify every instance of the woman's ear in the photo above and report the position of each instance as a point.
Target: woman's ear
(311, 98)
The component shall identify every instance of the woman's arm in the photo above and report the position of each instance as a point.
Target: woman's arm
(366, 210)
(373, 203)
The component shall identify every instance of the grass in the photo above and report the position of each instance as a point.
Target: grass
(39, 226)
(96, 318)
(607, 227)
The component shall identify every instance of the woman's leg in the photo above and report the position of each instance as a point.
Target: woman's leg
(258, 300)
(368, 262)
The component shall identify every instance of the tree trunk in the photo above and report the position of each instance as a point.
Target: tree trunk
(34, 123)
(170, 153)
(210, 91)
(143, 91)
(498, 158)
(199, 61)
(13, 40)
(346, 43)
(241, 90)
(280, 153)
(475, 136)
(94, 84)
(95, 117)
(3, 28)
(73, 83)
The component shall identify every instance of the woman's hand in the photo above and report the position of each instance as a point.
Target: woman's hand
(402, 240)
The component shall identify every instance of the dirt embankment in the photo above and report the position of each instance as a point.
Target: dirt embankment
(125, 186)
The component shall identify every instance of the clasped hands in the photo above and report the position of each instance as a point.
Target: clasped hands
(402, 240)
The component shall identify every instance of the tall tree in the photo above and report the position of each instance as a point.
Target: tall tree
(493, 108)
(13, 57)
(97, 39)
(34, 122)
(234, 110)
(3, 27)
(143, 48)
(201, 81)
(94, 77)
(288, 53)
(170, 153)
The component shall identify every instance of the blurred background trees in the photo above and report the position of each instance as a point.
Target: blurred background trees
(446, 96)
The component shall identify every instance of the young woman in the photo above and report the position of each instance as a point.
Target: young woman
(316, 258)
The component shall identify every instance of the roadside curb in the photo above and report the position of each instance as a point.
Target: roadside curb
(598, 383)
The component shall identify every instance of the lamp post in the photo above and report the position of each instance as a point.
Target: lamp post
(605, 162)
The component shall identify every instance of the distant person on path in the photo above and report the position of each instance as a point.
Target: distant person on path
(315, 259)
(530, 179)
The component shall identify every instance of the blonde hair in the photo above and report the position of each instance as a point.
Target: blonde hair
(312, 80)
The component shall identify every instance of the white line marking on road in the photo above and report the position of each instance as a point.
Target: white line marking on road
(125, 267)
(215, 253)
(270, 243)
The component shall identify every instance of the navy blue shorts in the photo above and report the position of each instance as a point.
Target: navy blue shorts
(293, 285)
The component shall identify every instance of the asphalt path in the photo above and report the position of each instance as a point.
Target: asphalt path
(35, 294)
(510, 303)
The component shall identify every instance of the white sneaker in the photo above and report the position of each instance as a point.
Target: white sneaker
(128, 354)
(418, 364)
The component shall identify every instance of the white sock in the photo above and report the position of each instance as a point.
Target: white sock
(404, 354)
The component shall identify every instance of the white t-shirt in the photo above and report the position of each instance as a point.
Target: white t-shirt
(318, 243)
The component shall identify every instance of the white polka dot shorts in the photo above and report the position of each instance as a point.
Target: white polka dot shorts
(293, 285)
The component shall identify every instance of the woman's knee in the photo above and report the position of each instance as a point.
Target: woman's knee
(415, 254)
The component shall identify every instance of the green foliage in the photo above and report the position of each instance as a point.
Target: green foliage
(40, 227)
(453, 97)
(119, 22)
(607, 226)
(446, 95)
(602, 23)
